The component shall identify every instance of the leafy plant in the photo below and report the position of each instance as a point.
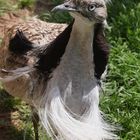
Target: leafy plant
(56, 17)
(26, 3)
(7, 5)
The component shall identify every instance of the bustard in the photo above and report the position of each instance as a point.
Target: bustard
(59, 77)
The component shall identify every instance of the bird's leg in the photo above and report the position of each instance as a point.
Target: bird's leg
(35, 120)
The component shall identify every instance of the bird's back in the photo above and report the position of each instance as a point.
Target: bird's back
(36, 31)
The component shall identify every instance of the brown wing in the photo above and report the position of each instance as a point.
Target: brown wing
(36, 31)
(39, 32)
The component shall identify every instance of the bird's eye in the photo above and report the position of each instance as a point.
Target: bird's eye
(91, 7)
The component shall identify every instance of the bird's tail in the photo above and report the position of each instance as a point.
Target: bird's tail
(61, 124)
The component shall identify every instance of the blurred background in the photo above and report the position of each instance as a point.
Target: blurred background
(121, 96)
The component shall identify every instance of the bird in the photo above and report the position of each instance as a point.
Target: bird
(57, 68)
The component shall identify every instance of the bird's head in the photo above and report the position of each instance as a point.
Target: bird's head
(93, 11)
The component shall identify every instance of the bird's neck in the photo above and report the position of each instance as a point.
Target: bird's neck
(74, 76)
(76, 65)
(79, 50)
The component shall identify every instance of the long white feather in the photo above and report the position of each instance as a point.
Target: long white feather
(61, 124)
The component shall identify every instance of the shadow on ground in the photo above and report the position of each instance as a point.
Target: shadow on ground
(12, 126)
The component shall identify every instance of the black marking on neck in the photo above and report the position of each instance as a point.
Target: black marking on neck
(19, 44)
(100, 49)
(51, 56)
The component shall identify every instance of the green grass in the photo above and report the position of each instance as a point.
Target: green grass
(122, 92)
(11, 5)
(121, 100)
(26, 3)
(6, 5)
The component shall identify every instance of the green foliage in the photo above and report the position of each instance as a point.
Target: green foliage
(126, 23)
(6, 5)
(59, 17)
(26, 3)
(11, 5)
(24, 134)
(121, 102)
(56, 17)
(56, 2)
(7, 103)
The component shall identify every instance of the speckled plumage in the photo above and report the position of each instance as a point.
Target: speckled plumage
(37, 31)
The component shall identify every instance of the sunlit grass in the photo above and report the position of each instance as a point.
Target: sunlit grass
(6, 5)
(122, 91)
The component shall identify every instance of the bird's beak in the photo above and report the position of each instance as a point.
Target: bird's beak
(67, 6)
